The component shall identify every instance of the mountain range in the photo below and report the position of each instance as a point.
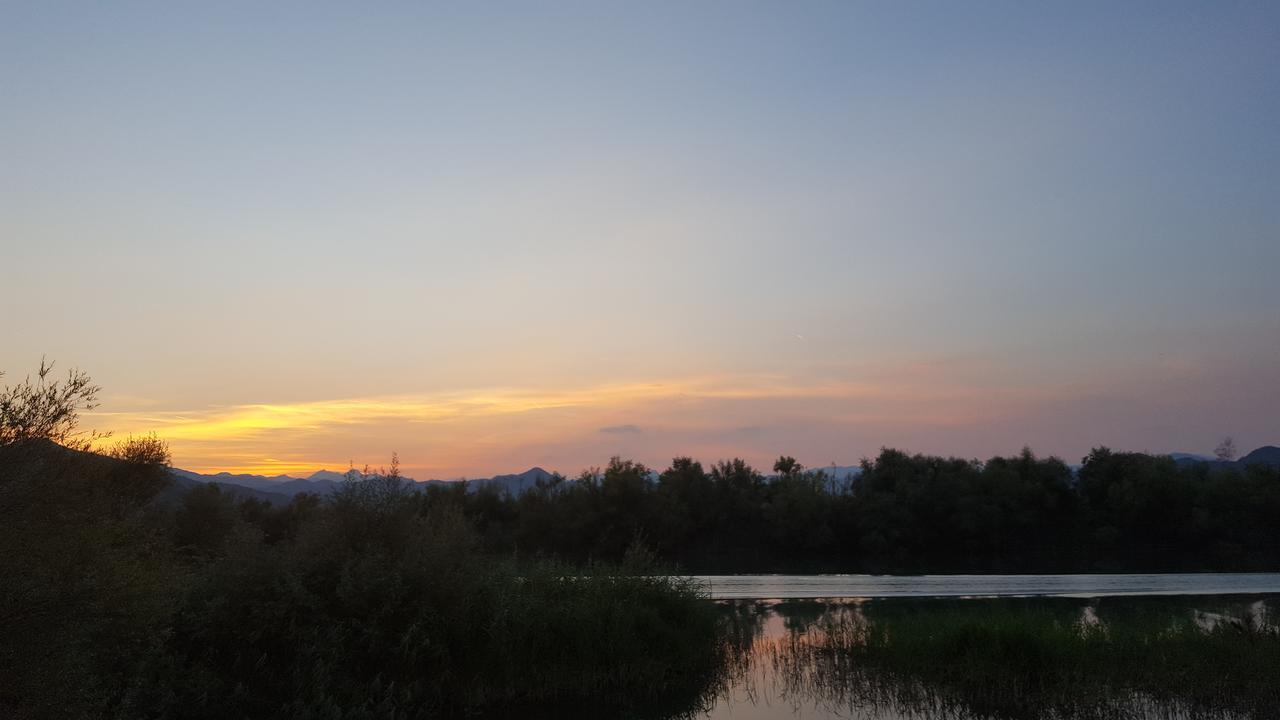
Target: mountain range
(1265, 455)
(280, 489)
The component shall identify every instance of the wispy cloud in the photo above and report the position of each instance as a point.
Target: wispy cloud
(476, 432)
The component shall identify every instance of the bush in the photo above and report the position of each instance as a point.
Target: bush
(377, 610)
(141, 450)
(48, 409)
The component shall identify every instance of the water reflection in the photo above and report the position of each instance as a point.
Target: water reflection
(743, 587)
(1185, 657)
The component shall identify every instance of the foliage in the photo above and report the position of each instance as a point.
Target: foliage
(1226, 450)
(903, 513)
(385, 600)
(370, 604)
(141, 450)
(48, 409)
(1020, 657)
(87, 579)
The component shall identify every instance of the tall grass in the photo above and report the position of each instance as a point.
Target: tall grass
(1032, 658)
(399, 615)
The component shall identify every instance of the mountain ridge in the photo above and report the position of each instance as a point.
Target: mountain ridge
(279, 489)
(1265, 455)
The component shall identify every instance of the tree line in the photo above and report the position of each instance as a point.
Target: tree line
(1119, 511)
(122, 597)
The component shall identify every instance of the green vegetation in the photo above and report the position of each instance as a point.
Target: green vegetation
(903, 514)
(87, 579)
(365, 605)
(46, 409)
(123, 595)
(1033, 657)
(120, 597)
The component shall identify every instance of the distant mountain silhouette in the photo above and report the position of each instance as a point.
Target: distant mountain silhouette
(256, 483)
(514, 484)
(324, 482)
(244, 480)
(1265, 455)
(247, 487)
(328, 476)
(278, 489)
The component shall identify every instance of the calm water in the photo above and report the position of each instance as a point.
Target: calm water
(780, 669)
(791, 587)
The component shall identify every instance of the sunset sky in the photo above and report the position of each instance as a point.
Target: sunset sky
(294, 236)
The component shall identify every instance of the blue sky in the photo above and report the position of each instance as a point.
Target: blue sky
(810, 228)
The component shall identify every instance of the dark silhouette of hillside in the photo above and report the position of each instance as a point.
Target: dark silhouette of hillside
(1265, 455)
(184, 482)
(1268, 455)
(81, 582)
(277, 490)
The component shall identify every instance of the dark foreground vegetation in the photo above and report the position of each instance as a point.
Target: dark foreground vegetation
(365, 605)
(1031, 658)
(904, 514)
(122, 595)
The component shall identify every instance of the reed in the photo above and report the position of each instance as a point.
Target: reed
(1029, 658)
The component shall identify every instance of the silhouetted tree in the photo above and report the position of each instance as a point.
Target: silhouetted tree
(1226, 450)
(142, 450)
(48, 409)
(787, 467)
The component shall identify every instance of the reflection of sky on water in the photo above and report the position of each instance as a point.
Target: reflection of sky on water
(774, 675)
(747, 587)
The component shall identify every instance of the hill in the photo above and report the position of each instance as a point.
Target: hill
(1265, 455)
(515, 483)
(51, 467)
(278, 489)
(184, 481)
(47, 468)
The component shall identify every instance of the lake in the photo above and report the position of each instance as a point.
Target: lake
(791, 587)
(1137, 646)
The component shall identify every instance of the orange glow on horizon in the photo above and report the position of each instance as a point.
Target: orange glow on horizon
(469, 432)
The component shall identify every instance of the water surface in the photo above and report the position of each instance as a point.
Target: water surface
(792, 587)
(782, 665)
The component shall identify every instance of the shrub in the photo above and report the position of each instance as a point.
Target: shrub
(141, 450)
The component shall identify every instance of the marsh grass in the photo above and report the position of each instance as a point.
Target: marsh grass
(598, 636)
(365, 605)
(407, 618)
(1038, 657)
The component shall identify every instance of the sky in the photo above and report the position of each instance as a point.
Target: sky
(487, 236)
